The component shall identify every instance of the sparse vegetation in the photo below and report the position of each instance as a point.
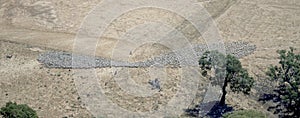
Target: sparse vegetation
(38, 39)
(286, 96)
(245, 114)
(13, 110)
(226, 70)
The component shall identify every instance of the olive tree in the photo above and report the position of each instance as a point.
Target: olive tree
(286, 95)
(227, 70)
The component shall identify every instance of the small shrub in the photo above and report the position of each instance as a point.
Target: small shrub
(245, 114)
(13, 110)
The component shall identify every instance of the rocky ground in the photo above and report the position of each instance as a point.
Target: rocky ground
(270, 25)
(65, 60)
(52, 92)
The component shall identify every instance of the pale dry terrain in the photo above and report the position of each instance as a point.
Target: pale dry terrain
(49, 91)
(269, 24)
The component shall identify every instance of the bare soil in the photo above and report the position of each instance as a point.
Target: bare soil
(269, 24)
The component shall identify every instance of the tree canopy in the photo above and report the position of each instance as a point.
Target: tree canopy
(287, 76)
(245, 114)
(13, 110)
(226, 70)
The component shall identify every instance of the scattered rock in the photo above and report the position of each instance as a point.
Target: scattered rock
(35, 49)
(66, 60)
(9, 56)
(155, 84)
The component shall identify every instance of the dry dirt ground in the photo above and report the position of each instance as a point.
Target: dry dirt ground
(49, 91)
(270, 25)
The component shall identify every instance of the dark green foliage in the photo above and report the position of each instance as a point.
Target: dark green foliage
(13, 110)
(287, 92)
(226, 70)
(242, 82)
(245, 114)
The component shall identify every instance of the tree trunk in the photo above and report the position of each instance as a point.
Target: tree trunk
(222, 101)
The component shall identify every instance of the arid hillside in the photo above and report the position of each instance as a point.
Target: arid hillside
(29, 28)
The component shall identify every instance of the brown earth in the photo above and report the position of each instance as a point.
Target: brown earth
(270, 25)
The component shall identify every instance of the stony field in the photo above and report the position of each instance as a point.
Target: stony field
(36, 42)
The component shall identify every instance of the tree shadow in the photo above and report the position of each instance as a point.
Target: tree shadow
(210, 109)
(267, 98)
